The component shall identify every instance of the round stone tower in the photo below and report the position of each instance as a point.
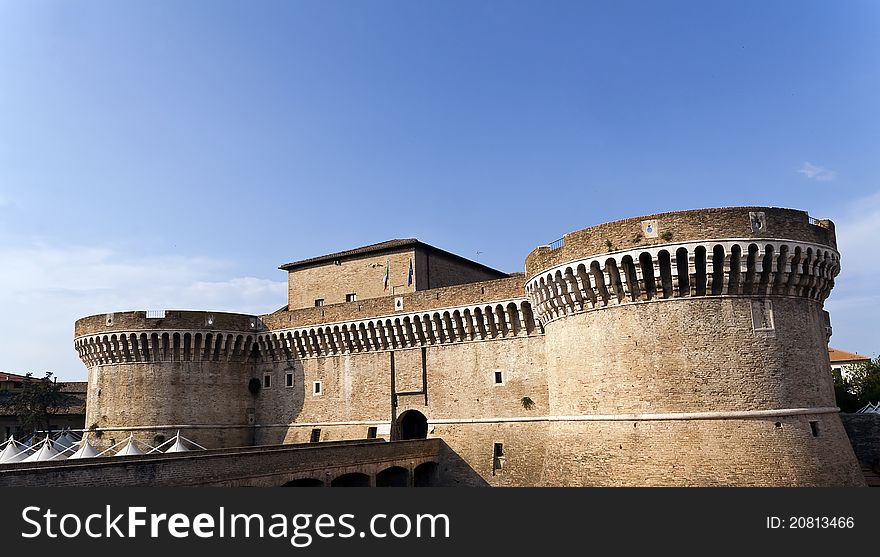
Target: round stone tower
(152, 373)
(690, 348)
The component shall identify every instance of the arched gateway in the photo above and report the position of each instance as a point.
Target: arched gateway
(412, 424)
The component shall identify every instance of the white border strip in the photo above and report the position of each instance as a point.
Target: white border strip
(723, 415)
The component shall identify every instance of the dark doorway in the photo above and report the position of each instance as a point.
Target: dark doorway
(305, 482)
(412, 424)
(393, 477)
(425, 475)
(354, 479)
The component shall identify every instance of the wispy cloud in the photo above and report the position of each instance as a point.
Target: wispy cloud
(45, 288)
(816, 172)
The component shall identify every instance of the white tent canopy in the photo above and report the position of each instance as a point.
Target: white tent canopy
(85, 450)
(45, 452)
(13, 452)
(130, 448)
(65, 440)
(178, 445)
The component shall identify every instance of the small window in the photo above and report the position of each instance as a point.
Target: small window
(814, 427)
(499, 450)
(317, 388)
(289, 380)
(371, 432)
(316, 436)
(499, 378)
(319, 302)
(351, 297)
(267, 381)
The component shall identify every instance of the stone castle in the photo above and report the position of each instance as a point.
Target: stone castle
(684, 348)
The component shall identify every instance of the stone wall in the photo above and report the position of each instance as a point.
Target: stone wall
(445, 270)
(107, 323)
(863, 431)
(725, 395)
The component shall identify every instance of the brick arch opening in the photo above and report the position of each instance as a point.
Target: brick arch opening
(426, 474)
(394, 476)
(412, 424)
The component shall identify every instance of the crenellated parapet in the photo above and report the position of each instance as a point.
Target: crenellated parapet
(725, 267)
(166, 336)
(187, 338)
(165, 346)
(495, 321)
(740, 251)
(747, 223)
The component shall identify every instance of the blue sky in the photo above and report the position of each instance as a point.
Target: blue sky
(173, 154)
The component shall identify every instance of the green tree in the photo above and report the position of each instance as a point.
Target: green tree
(860, 387)
(38, 401)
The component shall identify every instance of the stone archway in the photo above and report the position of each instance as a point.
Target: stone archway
(395, 476)
(412, 424)
(425, 474)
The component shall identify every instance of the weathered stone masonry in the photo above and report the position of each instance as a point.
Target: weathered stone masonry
(683, 348)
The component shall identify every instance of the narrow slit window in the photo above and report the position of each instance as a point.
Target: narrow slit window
(316, 436)
(317, 388)
(351, 297)
(499, 378)
(267, 381)
(814, 428)
(289, 380)
(319, 302)
(498, 450)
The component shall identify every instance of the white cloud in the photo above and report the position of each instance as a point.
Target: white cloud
(815, 172)
(45, 288)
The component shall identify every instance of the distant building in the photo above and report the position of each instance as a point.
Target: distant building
(845, 361)
(70, 416)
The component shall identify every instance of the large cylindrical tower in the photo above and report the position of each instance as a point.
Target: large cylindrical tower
(152, 373)
(690, 348)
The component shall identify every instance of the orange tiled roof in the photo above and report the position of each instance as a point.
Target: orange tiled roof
(842, 356)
